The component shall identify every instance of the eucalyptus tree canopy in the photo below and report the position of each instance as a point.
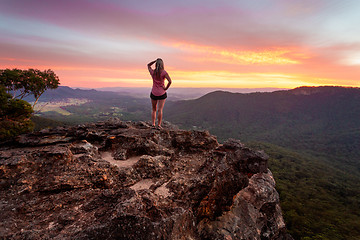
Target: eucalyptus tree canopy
(21, 83)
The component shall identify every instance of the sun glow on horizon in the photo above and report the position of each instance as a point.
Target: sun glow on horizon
(112, 77)
(246, 80)
(273, 56)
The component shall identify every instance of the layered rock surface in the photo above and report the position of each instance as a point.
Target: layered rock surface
(124, 180)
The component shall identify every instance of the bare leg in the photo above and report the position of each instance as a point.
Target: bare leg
(160, 111)
(153, 112)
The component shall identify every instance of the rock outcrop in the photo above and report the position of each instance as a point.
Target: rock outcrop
(124, 180)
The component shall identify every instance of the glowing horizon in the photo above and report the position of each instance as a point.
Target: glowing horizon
(275, 44)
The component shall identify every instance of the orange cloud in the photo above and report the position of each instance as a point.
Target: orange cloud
(275, 56)
(224, 79)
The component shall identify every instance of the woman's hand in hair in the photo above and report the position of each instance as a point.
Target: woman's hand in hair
(151, 63)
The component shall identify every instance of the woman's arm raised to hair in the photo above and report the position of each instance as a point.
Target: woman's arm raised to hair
(169, 81)
(151, 63)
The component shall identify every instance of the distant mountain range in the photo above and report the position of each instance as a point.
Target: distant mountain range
(64, 92)
(174, 94)
(321, 120)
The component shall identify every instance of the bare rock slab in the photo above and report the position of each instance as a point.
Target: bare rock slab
(124, 180)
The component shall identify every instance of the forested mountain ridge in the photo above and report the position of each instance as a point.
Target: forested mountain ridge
(321, 120)
(312, 135)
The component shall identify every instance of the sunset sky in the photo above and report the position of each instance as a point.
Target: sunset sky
(204, 43)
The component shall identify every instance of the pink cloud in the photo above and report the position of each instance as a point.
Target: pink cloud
(124, 35)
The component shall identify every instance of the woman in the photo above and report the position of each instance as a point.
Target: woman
(158, 93)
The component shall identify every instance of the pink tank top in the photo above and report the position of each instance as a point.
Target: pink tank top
(157, 88)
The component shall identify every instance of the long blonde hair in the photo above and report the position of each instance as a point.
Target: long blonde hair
(159, 66)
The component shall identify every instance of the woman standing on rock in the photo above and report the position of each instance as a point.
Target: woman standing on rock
(158, 93)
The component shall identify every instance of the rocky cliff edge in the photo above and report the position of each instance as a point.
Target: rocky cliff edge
(124, 180)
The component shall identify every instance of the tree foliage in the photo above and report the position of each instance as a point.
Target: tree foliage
(15, 84)
(14, 115)
(21, 83)
(318, 201)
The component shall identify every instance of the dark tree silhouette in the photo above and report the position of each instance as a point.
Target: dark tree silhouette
(21, 83)
(15, 84)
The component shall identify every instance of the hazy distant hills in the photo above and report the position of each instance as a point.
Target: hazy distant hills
(175, 93)
(64, 92)
(321, 120)
(75, 106)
